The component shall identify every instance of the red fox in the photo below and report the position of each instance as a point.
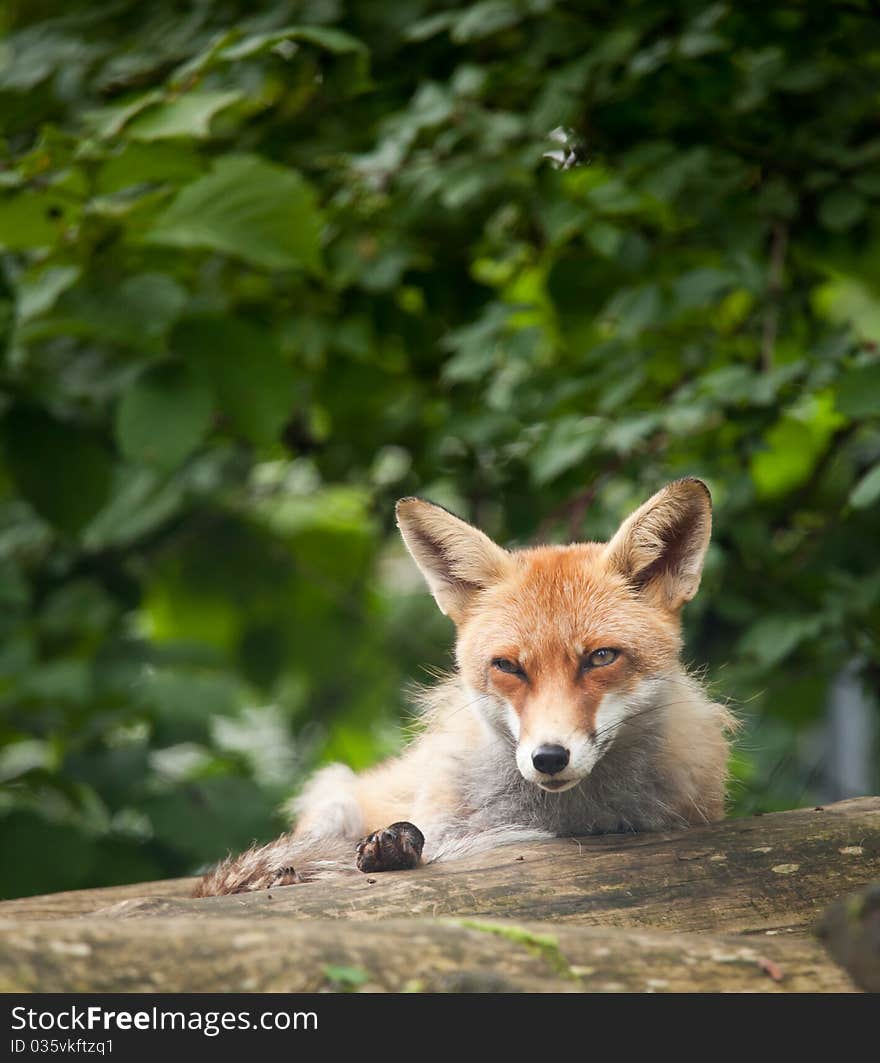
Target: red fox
(570, 712)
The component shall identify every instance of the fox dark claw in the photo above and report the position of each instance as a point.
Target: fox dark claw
(396, 848)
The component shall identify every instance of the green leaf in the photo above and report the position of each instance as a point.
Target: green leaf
(867, 490)
(568, 442)
(634, 309)
(349, 977)
(841, 209)
(788, 460)
(794, 445)
(482, 20)
(154, 163)
(692, 45)
(164, 416)
(850, 301)
(625, 434)
(39, 288)
(141, 500)
(23, 756)
(251, 209)
(135, 313)
(429, 26)
(34, 219)
(604, 238)
(858, 391)
(63, 471)
(254, 384)
(108, 122)
(773, 638)
(476, 345)
(231, 47)
(326, 37)
(189, 115)
(336, 510)
(700, 287)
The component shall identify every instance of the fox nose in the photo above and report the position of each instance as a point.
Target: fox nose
(550, 760)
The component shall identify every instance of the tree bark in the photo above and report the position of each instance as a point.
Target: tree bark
(730, 906)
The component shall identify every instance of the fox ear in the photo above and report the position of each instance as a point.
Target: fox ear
(456, 559)
(660, 548)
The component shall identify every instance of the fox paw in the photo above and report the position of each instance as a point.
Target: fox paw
(396, 848)
(284, 876)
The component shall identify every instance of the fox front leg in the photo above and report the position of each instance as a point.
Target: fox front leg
(396, 848)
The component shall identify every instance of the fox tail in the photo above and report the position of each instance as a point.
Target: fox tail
(282, 862)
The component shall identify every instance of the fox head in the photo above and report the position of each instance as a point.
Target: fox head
(560, 645)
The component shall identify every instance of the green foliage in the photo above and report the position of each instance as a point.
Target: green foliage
(267, 267)
(163, 416)
(263, 214)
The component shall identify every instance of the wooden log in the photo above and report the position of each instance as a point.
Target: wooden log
(82, 902)
(743, 875)
(729, 906)
(238, 954)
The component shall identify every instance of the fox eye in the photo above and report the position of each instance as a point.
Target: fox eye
(507, 666)
(599, 658)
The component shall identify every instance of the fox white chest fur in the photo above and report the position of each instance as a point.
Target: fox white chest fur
(569, 712)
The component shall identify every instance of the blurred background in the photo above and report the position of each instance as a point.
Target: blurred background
(266, 267)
